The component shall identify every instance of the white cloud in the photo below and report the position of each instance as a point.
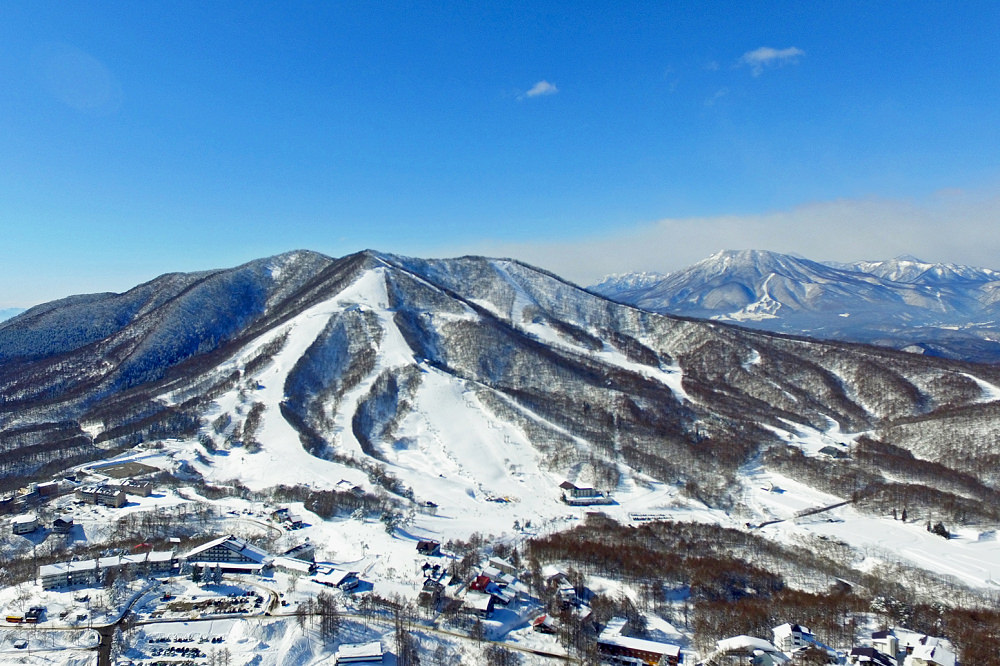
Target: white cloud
(540, 89)
(950, 226)
(719, 94)
(766, 56)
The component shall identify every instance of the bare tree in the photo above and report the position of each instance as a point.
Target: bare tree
(329, 615)
(496, 655)
(407, 646)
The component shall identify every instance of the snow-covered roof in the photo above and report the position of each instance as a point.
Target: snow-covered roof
(501, 563)
(292, 564)
(744, 642)
(502, 595)
(612, 636)
(478, 600)
(614, 627)
(643, 645)
(787, 629)
(333, 577)
(550, 571)
(104, 563)
(869, 655)
(496, 574)
(236, 545)
(934, 654)
(101, 489)
(24, 520)
(355, 653)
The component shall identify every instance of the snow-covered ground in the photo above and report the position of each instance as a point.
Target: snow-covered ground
(482, 473)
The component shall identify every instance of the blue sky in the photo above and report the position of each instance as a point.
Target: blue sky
(142, 138)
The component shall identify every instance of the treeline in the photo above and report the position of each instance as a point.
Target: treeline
(900, 462)
(728, 587)
(659, 552)
(936, 491)
(25, 451)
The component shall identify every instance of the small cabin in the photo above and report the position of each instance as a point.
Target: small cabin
(479, 603)
(429, 547)
(62, 525)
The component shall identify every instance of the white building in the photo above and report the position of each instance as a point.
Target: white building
(339, 578)
(25, 524)
(792, 637)
(91, 572)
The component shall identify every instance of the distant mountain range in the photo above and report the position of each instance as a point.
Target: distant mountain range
(7, 313)
(488, 377)
(936, 309)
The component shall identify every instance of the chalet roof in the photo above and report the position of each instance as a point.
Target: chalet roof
(234, 544)
(744, 642)
(479, 583)
(566, 485)
(26, 519)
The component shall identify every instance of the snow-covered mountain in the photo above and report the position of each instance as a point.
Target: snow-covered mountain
(911, 270)
(938, 309)
(463, 378)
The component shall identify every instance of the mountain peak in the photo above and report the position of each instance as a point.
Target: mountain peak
(902, 302)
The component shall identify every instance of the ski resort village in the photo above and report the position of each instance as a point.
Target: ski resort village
(471, 461)
(128, 562)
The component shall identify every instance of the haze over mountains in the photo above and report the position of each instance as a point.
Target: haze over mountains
(936, 309)
(7, 313)
(504, 375)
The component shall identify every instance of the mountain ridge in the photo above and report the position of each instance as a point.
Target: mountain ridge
(349, 360)
(937, 309)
